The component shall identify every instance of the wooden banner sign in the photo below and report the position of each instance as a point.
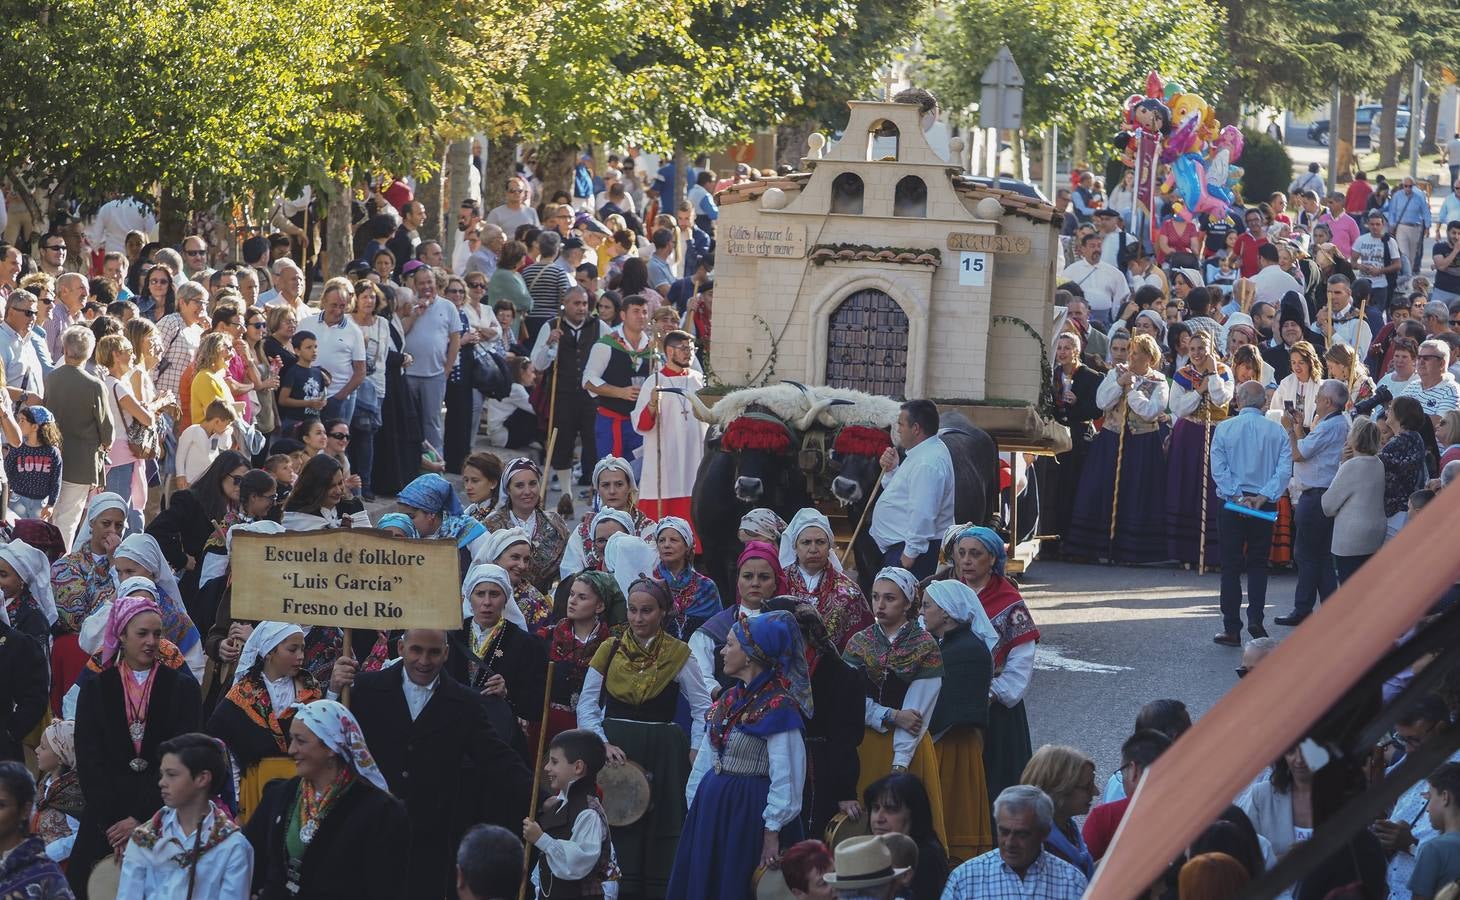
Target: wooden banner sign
(988, 243)
(346, 578)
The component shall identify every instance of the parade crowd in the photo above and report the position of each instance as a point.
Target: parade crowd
(852, 744)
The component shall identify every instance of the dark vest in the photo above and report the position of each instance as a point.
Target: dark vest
(559, 825)
(621, 372)
(574, 348)
(655, 709)
(892, 692)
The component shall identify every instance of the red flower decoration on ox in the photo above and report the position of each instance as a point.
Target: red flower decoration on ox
(756, 433)
(861, 440)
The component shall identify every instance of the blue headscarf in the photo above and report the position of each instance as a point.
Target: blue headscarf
(430, 493)
(398, 520)
(991, 541)
(774, 641)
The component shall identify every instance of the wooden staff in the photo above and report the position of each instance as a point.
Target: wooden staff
(349, 649)
(1358, 329)
(547, 696)
(1206, 457)
(861, 520)
(547, 458)
(658, 401)
(1119, 460)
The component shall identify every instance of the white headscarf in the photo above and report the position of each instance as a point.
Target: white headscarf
(627, 557)
(336, 727)
(143, 548)
(763, 522)
(679, 525)
(266, 636)
(608, 514)
(34, 568)
(614, 462)
(99, 504)
(961, 604)
(496, 575)
(906, 581)
(215, 565)
(803, 519)
(497, 543)
(94, 628)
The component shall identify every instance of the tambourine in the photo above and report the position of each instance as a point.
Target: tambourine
(770, 884)
(105, 880)
(842, 826)
(625, 791)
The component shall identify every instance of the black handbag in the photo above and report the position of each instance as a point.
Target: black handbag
(490, 375)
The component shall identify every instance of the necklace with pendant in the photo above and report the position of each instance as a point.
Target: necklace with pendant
(137, 697)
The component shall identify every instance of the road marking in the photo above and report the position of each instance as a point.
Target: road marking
(1052, 658)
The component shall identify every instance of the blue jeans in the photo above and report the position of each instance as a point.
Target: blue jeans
(1246, 542)
(362, 455)
(1312, 538)
(25, 507)
(922, 567)
(119, 481)
(336, 408)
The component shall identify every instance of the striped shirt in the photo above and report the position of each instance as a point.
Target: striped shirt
(988, 877)
(1437, 400)
(546, 282)
(179, 345)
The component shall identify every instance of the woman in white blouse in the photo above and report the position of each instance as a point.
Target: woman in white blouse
(1300, 387)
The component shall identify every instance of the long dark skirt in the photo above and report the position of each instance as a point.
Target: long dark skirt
(1141, 513)
(1059, 482)
(1006, 746)
(1184, 464)
(398, 442)
(456, 432)
(646, 848)
(720, 848)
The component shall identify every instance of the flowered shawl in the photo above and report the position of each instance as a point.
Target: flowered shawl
(252, 696)
(535, 607)
(167, 654)
(574, 656)
(638, 674)
(910, 655)
(839, 601)
(81, 582)
(549, 539)
(584, 536)
(694, 594)
(28, 872)
(57, 797)
(761, 708)
(146, 837)
(1011, 618)
(1188, 378)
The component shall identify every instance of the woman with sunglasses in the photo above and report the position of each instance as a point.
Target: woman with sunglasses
(261, 369)
(182, 530)
(156, 296)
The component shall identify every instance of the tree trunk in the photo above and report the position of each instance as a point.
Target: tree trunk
(1428, 147)
(501, 165)
(458, 182)
(791, 141)
(1344, 134)
(1229, 101)
(1388, 116)
(557, 162)
(431, 193)
(681, 180)
(339, 240)
(172, 219)
(1080, 147)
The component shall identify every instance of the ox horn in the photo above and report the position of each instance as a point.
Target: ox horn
(816, 409)
(702, 412)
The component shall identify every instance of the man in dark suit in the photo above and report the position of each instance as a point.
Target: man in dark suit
(78, 400)
(433, 741)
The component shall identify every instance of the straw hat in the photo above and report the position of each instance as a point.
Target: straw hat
(862, 862)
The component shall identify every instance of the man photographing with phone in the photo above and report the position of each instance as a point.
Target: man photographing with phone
(1317, 454)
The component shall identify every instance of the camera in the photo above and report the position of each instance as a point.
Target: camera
(1381, 397)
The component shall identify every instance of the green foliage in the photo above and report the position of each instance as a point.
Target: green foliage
(1080, 58)
(1266, 164)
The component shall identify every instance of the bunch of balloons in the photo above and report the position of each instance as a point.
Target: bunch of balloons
(1200, 151)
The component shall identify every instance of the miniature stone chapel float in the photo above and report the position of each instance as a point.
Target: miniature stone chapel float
(882, 268)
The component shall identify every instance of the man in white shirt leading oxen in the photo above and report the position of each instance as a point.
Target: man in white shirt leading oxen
(916, 506)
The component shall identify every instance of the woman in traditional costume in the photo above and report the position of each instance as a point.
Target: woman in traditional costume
(122, 716)
(334, 832)
(22, 688)
(512, 549)
(25, 870)
(494, 653)
(814, 573)
(696, 596)
(82, 579)
(59, 803)
(481, 473)
(629, 699)
(979, 558)
(834, 729)
(761, 524)
(1075, 387)
(25, 580)
(314, 502)
(92, 640)
(253, 719)
(595, 604)
(966, 638)
(191, 847)
(759, 578)
(520, 508)
(746, 786)
(436, 512)
(139, 556)
(1201, 392)
(614, 488)
(1127, 458)
(902, 675)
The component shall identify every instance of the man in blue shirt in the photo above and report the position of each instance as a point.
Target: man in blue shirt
(1251, 463)
(1316, 457)
(1409, 211)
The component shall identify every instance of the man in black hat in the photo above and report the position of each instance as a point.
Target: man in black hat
(1113, 239)
(1290, 330)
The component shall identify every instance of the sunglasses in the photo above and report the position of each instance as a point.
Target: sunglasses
(476, 285)
(255, 324)
(55, 248)
(196, 252)
(29, 313)
(1431, 356)
(452, 291)
(340, 435)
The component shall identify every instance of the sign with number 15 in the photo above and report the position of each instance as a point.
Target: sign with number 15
(973, 269)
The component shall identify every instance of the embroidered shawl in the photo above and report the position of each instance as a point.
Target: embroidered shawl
(1011, 618)
(762, 708)
(635, 674)
(910, 655)
(839, 600)
(252, 696)
(81, 581)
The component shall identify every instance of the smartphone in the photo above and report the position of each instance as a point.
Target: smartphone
(1288, 406)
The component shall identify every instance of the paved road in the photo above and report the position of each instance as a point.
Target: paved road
(1113, 638)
